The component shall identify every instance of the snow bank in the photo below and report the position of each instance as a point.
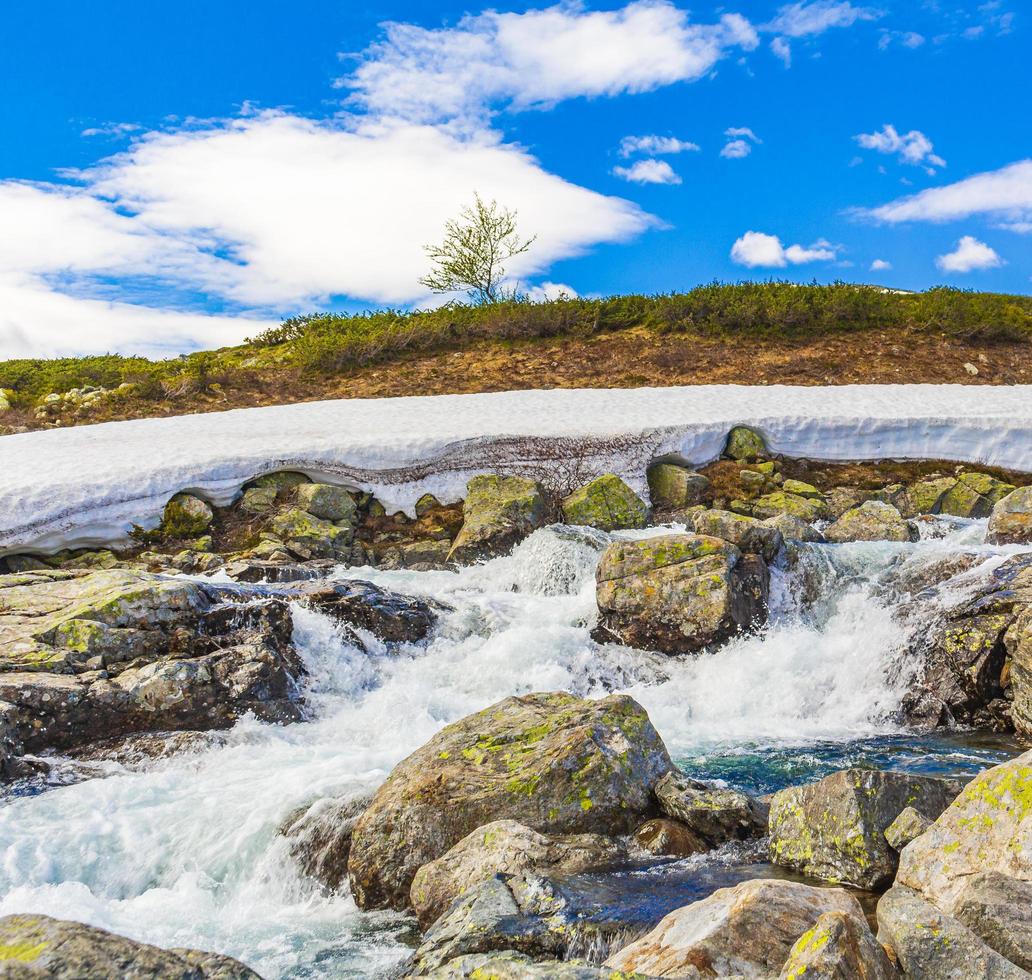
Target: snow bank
(86, 486)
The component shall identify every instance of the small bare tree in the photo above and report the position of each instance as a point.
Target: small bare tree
(474, 251)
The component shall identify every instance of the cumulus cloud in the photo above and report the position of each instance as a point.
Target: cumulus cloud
(969, 255)
(758, 250)
(648, 172)
(908, 39)
(880, 265)
(1004, 196)
(913, 147)
(802, 19)
(739, 143)
(654, 145)
(783, 50)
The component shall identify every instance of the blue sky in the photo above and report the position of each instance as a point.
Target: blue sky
(180, 174)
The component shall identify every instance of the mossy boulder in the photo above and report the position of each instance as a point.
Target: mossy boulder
(281, 481)
(37, 946)
(871, 521)
(838, 947)
(794, 528)
(672, 487)
(677, 593)
(974, 495)
(306, 536)
(834, 829)
(808, 509)
(1018, 644)
(327, 502)
(744, 443)
(185, 516)
(1011, 519)
(426, 505)
(908, 826)
(258, 500)
(606, 503)
(554, 762)
(746, 533)
(498, 513)
(925, 496)
(801, 489)
(715, 814)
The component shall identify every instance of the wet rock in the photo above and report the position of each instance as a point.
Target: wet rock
(320, 837)
(834, 829)
(391, 616)
(328, 502)
(1018, 643)
(746, 533)
(677, 593)
(746, 931)
(929, 943)
(508, 965)
(670, 838)
(253, 570)
(673, 487)
(606, 503)
(554, 762)
(871, 521)
(505, 847)
(186, 516)
(715, 815)
(988, 827)
(305, 536)
(793, 528)
(770, 505)
(1011, 519)
(744, 443)
(38, 946)
(974, 495)
(498, 513)
(908, 826)
(839, 947)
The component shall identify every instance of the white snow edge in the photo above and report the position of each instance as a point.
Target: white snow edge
(86, 486)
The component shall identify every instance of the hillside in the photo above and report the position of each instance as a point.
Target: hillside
(767, 333)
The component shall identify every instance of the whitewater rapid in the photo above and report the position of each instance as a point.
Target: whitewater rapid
(184, 851)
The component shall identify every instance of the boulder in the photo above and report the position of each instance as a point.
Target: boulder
(320, 837)
(606, 503)
(715, 815)
(390, 616)
(670, 838)
(744, 443)
(678, 592)
(974, 495)
(507, 965)
(38, 946)
(930, 944)
(925, 496)
(305, 536)
(871, 521)
(554, 762)
(1011, 519)
(834, 829)
(808, 509)
(839, 947)
(988, 827)
(745, 931)
(802, 489)
(510, 848)
(746, 533)
(674, 487)
(426, 505)
(185, 516)
(327, 502)
(258, 500)
(1018, 644)
(908, 826)
(793, 528)
(498, 513)
(998, 909)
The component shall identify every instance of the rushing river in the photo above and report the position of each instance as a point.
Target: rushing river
(185, 851)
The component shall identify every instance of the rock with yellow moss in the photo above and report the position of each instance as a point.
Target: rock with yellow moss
(840, 946)
(498, 513)
(606, 503)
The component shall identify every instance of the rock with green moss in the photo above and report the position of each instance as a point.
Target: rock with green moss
(745, 931)
(554, 762)
(802, 489)
(606, 503)
(744, 443)
(746, 533)
(871, 521)
(1018, 643)
(974, 495)
(185, 516)
(908, 826)
(37, 946)
(258, 500)
(325, 501)
(498, 513)
(794, 528)
(677, 593)
(840, 946)
(1011, 519)
(715, 814)
(306, 536)
(509, 965)
(925, 496)
(834, 829)
(426, 505)
(282, 481)
(505, 847)
(988, 827)
(809, 509)
(673, 487)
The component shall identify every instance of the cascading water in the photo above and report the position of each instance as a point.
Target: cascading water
(185, 850)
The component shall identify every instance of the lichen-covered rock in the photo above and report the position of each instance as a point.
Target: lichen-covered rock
(426, 504)
(808, 509)
(186, 516)
(871, 521)
(320, 837)
(794, 528)
(507, 965)
(925, 496)
(802, 489)
(328, 502)
(716, 815)
(746, 533)
(744, 443)
(1011, 519)
(930, 944)
(498, 513)
(606, 503)
(1018, 643)
(908, 826)
(281, 481)
(673, 487)
(306, 536)
(554, 762)
(664, 837)
(998, 909)
(839, 947)
(34, 946)
(834, 829)
(987, 828)
(678, 592)
(258, 500)
(745, 931)
(505, 847)
(974, 495)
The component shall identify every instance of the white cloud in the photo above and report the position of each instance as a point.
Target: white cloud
(802, 19)
(112, 129)
(758, 250)
(654, 145)
(783, 50)
(1004, 196)
(537, 58)
(648, 172)
(908, 39)
(969, 255)
(739, 145)
(880, 265)
(913, 147)
(547, 291)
